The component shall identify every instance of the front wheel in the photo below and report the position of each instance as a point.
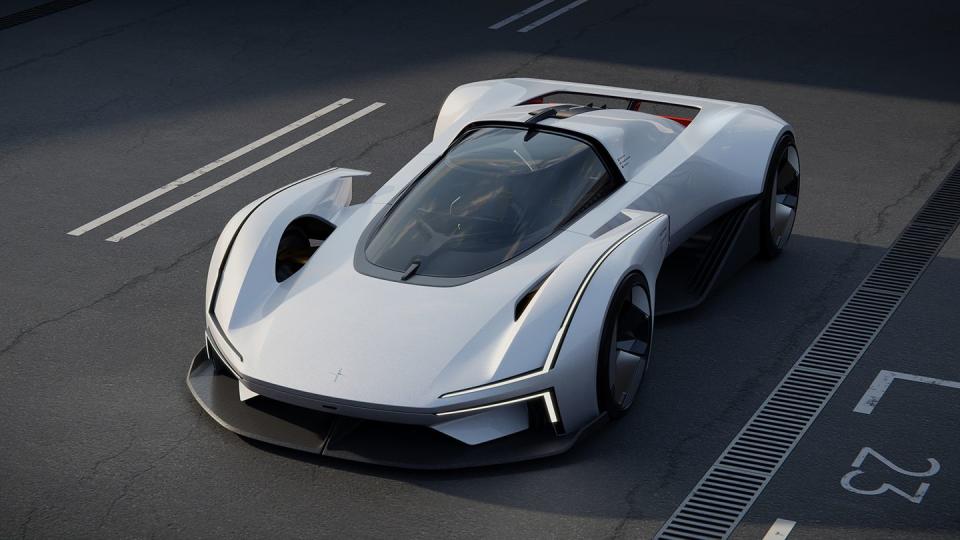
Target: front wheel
(625, 346)
(781, 193)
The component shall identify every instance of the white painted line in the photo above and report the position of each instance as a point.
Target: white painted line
(552, 16)
(523, 13)
(883, 381)
(133, 229)
(109, 216)
(780, 529)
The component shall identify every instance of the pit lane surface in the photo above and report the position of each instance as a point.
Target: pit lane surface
(107, 101)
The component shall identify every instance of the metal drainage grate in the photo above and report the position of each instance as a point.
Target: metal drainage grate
(722, 497)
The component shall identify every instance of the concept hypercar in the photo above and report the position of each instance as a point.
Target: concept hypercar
(496, 297)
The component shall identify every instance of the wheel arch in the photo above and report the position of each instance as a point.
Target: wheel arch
(638, 246)
(786, 132)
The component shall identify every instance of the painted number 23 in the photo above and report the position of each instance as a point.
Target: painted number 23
(885, 487)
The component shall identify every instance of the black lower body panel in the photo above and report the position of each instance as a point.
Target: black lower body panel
(708, 258)
(367, 441)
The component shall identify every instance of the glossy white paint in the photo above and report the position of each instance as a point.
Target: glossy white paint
(399, 347)
(694, 174)
(492, 423)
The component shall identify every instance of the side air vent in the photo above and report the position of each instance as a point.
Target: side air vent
(524, 300)
(298, 242)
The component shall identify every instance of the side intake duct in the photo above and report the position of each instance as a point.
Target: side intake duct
(299, 240)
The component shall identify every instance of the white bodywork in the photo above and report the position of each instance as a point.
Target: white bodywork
(409, 353)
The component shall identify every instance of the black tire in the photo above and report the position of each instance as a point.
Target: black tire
(781, 193)
(626, 346)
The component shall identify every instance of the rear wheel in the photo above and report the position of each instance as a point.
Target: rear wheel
(625, 347)
(781, 193)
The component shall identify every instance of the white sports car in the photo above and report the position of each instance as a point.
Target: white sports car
(496, 297)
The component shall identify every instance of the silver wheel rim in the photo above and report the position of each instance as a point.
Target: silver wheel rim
(784, 197)
(630, 347)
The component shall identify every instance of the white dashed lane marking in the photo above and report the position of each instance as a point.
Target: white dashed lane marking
(780, 529)
(542, 20)
(551, 16)
(140, 201)
(521, 14)
(196, 197)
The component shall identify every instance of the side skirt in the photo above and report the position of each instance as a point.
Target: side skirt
(708, 258)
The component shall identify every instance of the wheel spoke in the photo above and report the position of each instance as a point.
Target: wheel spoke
(638, 297)
(783, 220)
(784, 197)
(786, 178)
(632, 318)
(627, 367)
(632, 332)
(787, 199)
(630, 345)
(637, 347)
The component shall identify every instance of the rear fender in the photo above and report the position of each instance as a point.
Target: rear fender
(470, 101)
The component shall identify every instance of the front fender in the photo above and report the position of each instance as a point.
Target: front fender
(638, 245)
(242, 268)
(556, 342)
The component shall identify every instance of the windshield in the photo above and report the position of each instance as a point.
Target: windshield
(494, 195)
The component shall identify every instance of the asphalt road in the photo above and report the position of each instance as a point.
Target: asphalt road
(104, 102)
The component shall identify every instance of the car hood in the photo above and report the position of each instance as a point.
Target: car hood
(333, 331)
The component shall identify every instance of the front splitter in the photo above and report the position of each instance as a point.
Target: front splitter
(367, 441)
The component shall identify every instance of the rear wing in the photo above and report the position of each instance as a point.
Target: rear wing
(682, 114)
(471, 101)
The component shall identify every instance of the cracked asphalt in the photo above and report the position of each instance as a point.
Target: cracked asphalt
(101, 103)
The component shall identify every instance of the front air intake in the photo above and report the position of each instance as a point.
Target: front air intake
(298, 242)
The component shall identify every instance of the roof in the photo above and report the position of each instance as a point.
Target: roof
(632, 138)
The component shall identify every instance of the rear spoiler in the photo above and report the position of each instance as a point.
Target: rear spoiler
(473, 100)
(681, 114)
